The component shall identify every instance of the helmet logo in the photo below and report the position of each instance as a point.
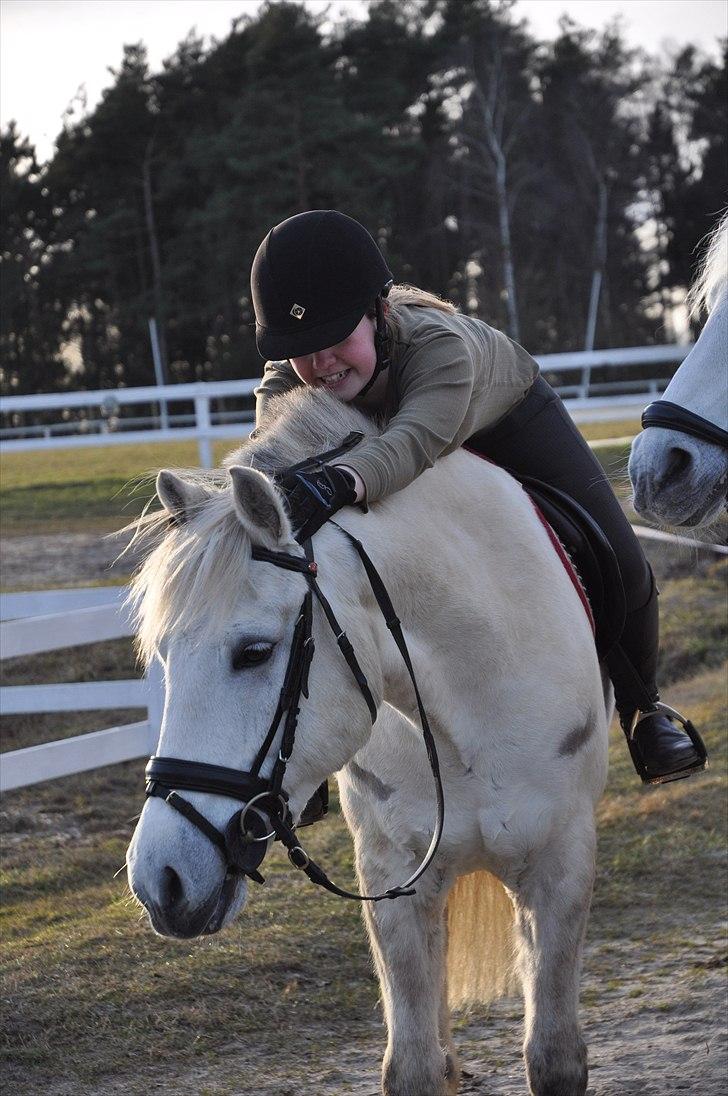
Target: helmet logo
(297, 311)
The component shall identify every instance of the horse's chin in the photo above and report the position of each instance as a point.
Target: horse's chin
(182, 923)
(686, 509)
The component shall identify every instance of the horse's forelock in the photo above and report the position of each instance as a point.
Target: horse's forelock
(191, 570)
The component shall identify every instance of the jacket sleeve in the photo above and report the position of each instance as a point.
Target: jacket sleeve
(436, 390)
(278, 378)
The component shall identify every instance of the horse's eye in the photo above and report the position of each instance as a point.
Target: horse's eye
(251, 654)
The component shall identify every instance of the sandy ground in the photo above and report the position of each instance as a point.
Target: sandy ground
(654, 1017)
(669, 1039)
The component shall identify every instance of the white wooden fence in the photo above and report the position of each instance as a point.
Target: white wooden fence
(70, 618)
(585, 400)
(201, 395)
(53, 619)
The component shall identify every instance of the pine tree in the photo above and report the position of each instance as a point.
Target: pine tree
(30, 323)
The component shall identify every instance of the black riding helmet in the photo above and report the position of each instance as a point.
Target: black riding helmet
(313, 278)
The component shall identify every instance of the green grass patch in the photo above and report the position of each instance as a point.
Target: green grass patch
(661, 859)
(100, 489)
(597, 431)
(86, 490)
(694, 621)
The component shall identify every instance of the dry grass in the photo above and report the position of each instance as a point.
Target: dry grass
(598, 431)
(89, 991)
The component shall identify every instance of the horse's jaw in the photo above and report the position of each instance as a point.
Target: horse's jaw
(178, 877)
(677, 480)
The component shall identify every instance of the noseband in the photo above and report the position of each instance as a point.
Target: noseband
(671, 416)
(265, 814)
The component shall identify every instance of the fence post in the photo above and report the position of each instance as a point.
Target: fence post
(158, 371)
(585, 382)
(202, 416)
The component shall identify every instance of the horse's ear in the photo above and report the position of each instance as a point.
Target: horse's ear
(179, 498)
(259, 507)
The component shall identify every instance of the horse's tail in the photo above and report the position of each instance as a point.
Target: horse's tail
(481, 953)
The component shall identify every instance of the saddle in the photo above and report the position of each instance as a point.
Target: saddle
(590, 554)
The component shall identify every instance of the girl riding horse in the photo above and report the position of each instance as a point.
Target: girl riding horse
(328, 315)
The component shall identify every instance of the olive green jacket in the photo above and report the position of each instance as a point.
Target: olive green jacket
(450, 376)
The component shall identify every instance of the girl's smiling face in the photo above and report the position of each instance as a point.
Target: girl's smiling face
(343, 369)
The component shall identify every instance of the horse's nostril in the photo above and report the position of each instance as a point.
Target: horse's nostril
(172, 891)
(677, 463)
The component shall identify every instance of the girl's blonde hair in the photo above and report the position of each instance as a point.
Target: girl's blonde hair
(409, 296)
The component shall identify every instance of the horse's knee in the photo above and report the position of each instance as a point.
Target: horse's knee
(421, 1075)
(558, 1068)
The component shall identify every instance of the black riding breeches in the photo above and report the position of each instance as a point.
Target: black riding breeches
(538, 438)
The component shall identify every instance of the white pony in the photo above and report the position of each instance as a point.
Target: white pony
(508, 671)
(679, 479)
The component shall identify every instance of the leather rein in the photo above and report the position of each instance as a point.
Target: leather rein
(671, 416)
(265, 814)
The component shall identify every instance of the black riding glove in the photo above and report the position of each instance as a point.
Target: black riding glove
(314, 496)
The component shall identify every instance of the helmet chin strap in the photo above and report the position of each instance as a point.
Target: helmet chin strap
(381, 341)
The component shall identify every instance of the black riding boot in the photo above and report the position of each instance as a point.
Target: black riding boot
(537, 438)
(664, 746)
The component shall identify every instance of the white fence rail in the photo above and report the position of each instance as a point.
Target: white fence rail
(80, 617)
(201, 395)
(43, 602)
(104, 431)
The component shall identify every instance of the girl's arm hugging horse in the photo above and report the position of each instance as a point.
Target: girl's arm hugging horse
(328, 315)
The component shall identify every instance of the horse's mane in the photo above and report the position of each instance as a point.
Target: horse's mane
(712, 280)
(190, 571)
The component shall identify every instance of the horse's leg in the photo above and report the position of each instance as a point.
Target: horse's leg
(452, 1061)
(408, 940)
(552, 907)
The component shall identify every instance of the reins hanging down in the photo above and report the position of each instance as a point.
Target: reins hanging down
(244, 842)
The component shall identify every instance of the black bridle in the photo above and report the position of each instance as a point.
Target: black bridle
(244, 842)
(671, 416)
